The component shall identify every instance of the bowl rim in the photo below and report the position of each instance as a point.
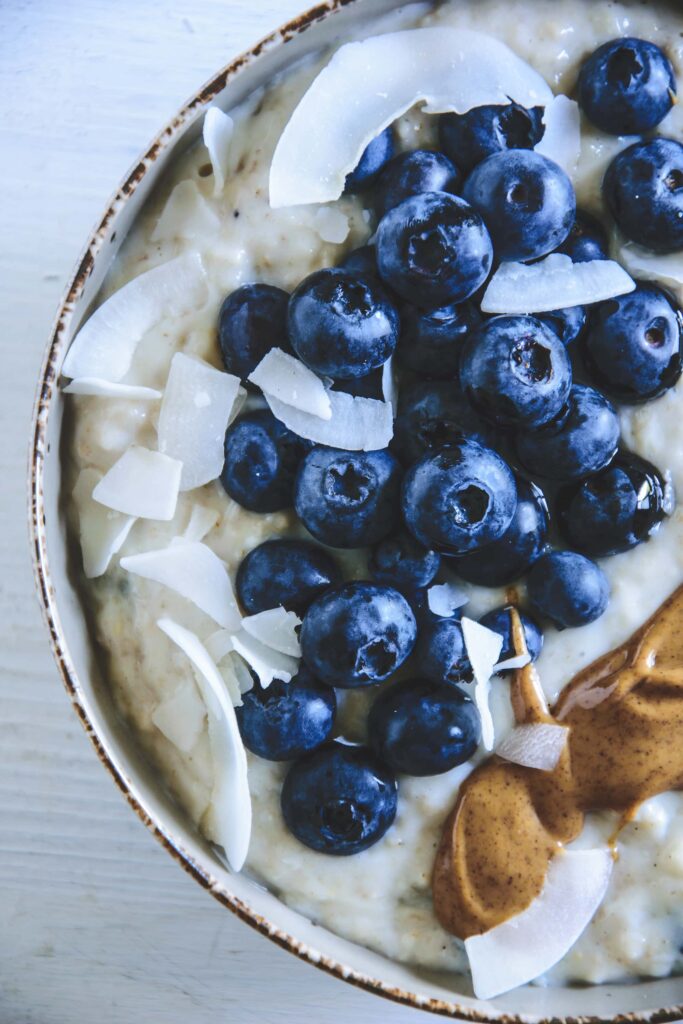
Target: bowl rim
(38, 451)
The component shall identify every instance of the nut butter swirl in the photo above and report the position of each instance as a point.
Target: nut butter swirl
(625, 744)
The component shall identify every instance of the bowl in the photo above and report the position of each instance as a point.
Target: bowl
(74, 647)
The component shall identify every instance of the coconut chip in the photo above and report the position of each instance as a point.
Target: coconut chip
(102, 531)
(186, 215)
(276, 628)
(537, 745)
(217, 133)
(281, 376)
(332, 225)
(267, 663)
(219, 645)
(356, 424)
(107, 389)
(181, 717)
(444, 599)
(519, 661)
(554, 283)
(202, 521)
(561, 140)
(390, 384)
(141, 483)
(483, 649)
(651, 266)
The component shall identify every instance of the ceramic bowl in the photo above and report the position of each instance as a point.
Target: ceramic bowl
(56, 568)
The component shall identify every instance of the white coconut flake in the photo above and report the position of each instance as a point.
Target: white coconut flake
(519, 661)
(390, 384)
(275, 628)
(483, 649)
(195, 412)
(186, 215)
(181, 717)
(217, 133)
(107, 389)
(267, 663)
(332, 225)
(382, 77)
(141, 483)
(529, 944)
(281, 376)
(554, 283)
(219, 645)
(102, 531)
(242, 674)
(650, 266)
(561, 140)
(356, 424)
(202, 521)
(196, 573)
(444, 599)
(538, 745)
(105, 344)
(230, 820)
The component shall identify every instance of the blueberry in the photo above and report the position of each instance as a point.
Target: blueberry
(252, 320)
(470, 138)
(339, 800)
(582, 440)
(515, 370)
(569, 324)
(627, 86)
(401, 562)
(409, 174)
(433, 415)
(370, 386)
(459, 499)
(362, 262)
(615, 510)
(357, 634)
(587, 240)
(422, 728)
(348, 499)
(633, 345)
(500, 621)
(527, 202)
(375, 156)
(568, 589)
(341, 324)
(434, 250)
(431, 340)
(505, 560)
(286, 720)
(643, 189)
(440, 651)
(287, 573)
(261, 461)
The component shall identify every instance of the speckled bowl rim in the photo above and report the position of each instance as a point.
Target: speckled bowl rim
(37, 454)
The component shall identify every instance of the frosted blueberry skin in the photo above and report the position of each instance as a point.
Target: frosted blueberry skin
(400, 562)
(633, 346)
(434, 250)
(422, 728)
(567, 588)
(459, 499)
(348, 499)
(409, 174)
(342, 325)
(252, 321)
(615, 510)
(431, 340)
(339, 800)
(433, 415)
(290, 573)
(261, 461)
(375, 157)
(643, 190)
(440, 651)
(286, 720)
(357, 634)
(527, 203)
(627, 86)
(568, 324)
(471, 137)
(587, 240)
(500, 621)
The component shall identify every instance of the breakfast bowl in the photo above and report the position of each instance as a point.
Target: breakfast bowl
(73, 625)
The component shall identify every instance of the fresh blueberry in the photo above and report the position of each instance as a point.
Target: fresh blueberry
(287, 573)
(433, 415)
(341, 324)
(375, 157)
(399, 561)
(569, 324)
(286, 720)
(362, 262)
(460, 498)
(470, 138)
(515, 370)
(633, 345)
(587, 240)
(357, 634)
(527, 202)
(582, 440)
(431, 340)
(434, 250)
(440, 651)
(423, 728)
(568, 589)
(261, 461)
(505, 560)
(643, 189)
(615, 510)
(252, 320)
(370, 386)
(627, 86)
(339, 800)
(348, 499)
(500, 621)
(409, 174)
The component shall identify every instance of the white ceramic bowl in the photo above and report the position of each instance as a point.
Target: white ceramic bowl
(56, 569)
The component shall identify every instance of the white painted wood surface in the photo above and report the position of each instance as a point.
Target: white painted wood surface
(96, 921)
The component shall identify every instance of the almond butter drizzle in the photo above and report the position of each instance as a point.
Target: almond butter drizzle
(625, 744)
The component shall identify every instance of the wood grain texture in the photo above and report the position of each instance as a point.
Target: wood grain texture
(96, 921)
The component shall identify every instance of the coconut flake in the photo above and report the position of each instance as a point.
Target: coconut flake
(281, 376)
(102, 531)
(276, 628)
(444, 599)
(107, 389)
(217, 134)
(650, 266)
(554, 283)
(141, 483)
(483, 649)
(242, 673)
(267, 663)
(202, 520)
(181, 717)
(196, 573)
(356, 424)
(381, 78)
(332, 225)
(538, 745)
(230, 820)
(529, 944)
(561, 140)
(219, 645)
(390, 384)
(519, 661)
(186, 215)
(195, 412)
(105, 344)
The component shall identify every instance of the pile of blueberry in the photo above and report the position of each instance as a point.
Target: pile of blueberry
(499, 420)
